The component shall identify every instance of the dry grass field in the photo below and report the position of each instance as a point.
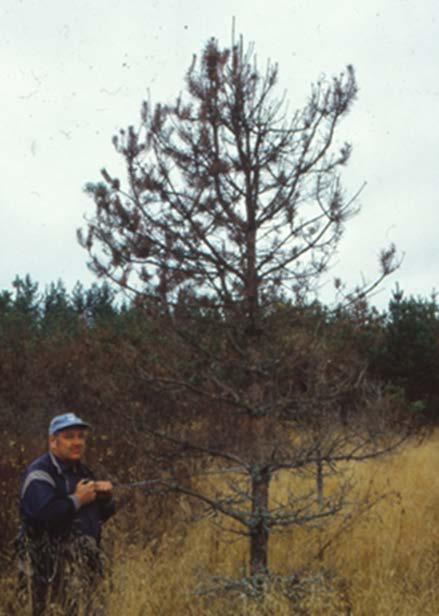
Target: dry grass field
(384, 562)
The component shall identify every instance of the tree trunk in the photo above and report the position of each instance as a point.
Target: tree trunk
(319, 480)
(259, 532)
(320, 495)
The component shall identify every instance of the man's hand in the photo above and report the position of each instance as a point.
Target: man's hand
(104, 489)
(85, 491)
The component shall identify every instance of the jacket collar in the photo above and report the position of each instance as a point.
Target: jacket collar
(56, 463)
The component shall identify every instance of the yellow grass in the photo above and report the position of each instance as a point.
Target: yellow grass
(385, 563)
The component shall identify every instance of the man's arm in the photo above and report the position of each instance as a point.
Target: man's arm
(40, 503)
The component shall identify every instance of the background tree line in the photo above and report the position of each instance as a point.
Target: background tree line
(56, 348)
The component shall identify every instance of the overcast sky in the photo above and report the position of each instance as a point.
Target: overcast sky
(73, 73)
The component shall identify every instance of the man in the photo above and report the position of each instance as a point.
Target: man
(62, 508)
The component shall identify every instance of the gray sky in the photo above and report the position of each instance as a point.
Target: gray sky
(75, 72)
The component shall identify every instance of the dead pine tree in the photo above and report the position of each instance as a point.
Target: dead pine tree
(229, 214)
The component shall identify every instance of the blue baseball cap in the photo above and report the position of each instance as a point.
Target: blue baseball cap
(68, 420)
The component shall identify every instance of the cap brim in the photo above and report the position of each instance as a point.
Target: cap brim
(72, 425)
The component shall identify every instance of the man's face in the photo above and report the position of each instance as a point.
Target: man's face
(68, 445)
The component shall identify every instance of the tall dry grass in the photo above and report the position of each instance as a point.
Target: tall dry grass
(384, 562)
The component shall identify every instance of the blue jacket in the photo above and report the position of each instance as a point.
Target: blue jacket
(47, 501)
